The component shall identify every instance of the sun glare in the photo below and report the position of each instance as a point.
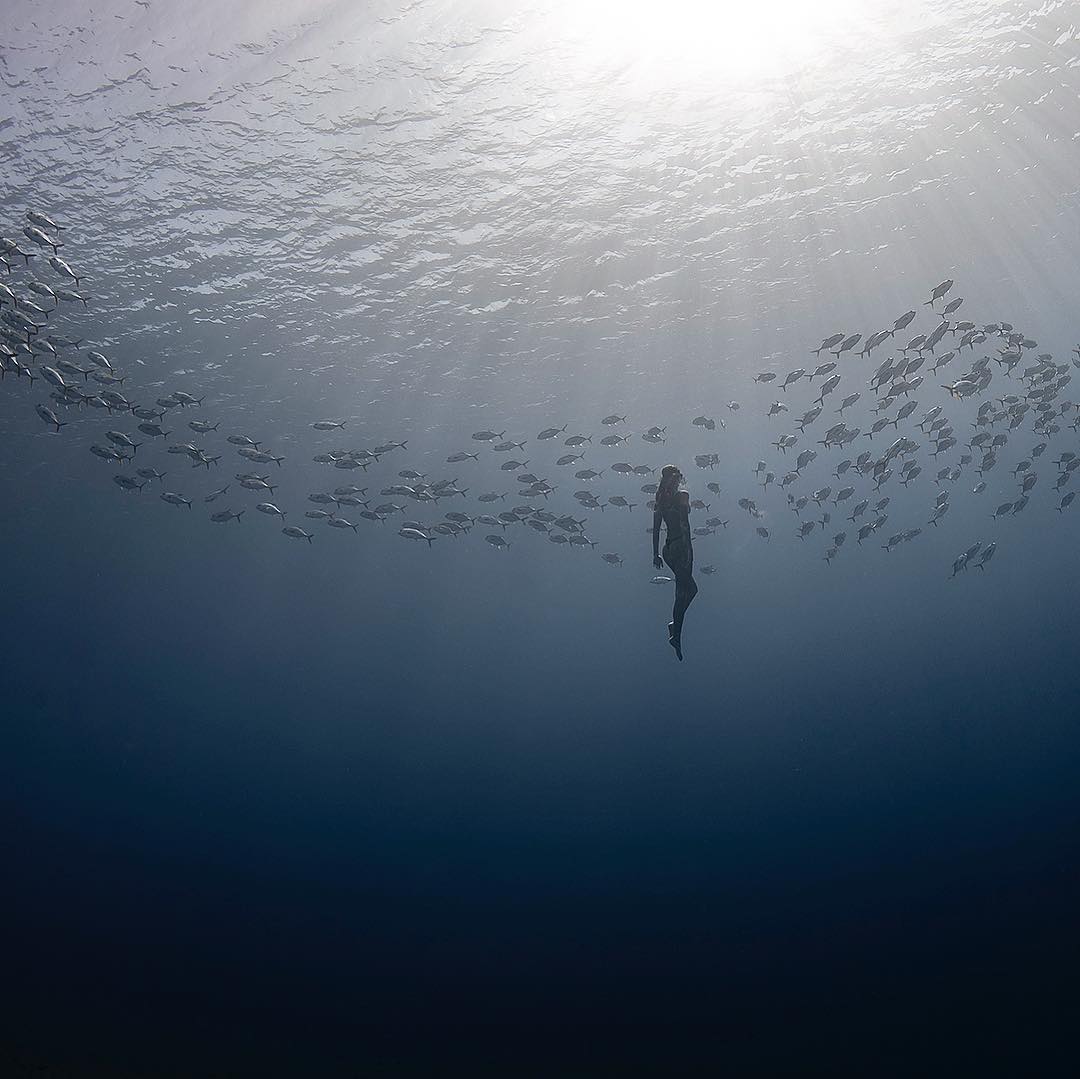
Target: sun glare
(726, 39)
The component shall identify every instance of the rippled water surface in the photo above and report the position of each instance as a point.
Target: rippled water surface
(474, 781)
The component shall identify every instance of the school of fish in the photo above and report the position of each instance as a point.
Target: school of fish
(952, 408)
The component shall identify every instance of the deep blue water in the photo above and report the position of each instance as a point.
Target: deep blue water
(370, 807)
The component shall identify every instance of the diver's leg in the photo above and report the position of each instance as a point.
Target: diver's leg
(691, 590)
(685, 590)
(671, 562)
(674, 563)
(688, 583)
(675, 626)
(680, 560)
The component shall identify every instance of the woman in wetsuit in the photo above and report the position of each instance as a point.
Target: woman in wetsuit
(673, 511)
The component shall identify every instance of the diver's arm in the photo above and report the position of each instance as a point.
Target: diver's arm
(657, 519)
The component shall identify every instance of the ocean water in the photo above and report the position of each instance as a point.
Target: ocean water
(375, 806)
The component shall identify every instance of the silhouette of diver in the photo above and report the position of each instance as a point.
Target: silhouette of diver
(673, 510)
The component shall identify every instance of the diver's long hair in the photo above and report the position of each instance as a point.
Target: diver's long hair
(669, 485)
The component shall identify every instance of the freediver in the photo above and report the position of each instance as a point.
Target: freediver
(673, 510)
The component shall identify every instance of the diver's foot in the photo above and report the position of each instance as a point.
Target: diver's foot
(676, 643)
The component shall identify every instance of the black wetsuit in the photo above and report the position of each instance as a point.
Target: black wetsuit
(678, 554)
